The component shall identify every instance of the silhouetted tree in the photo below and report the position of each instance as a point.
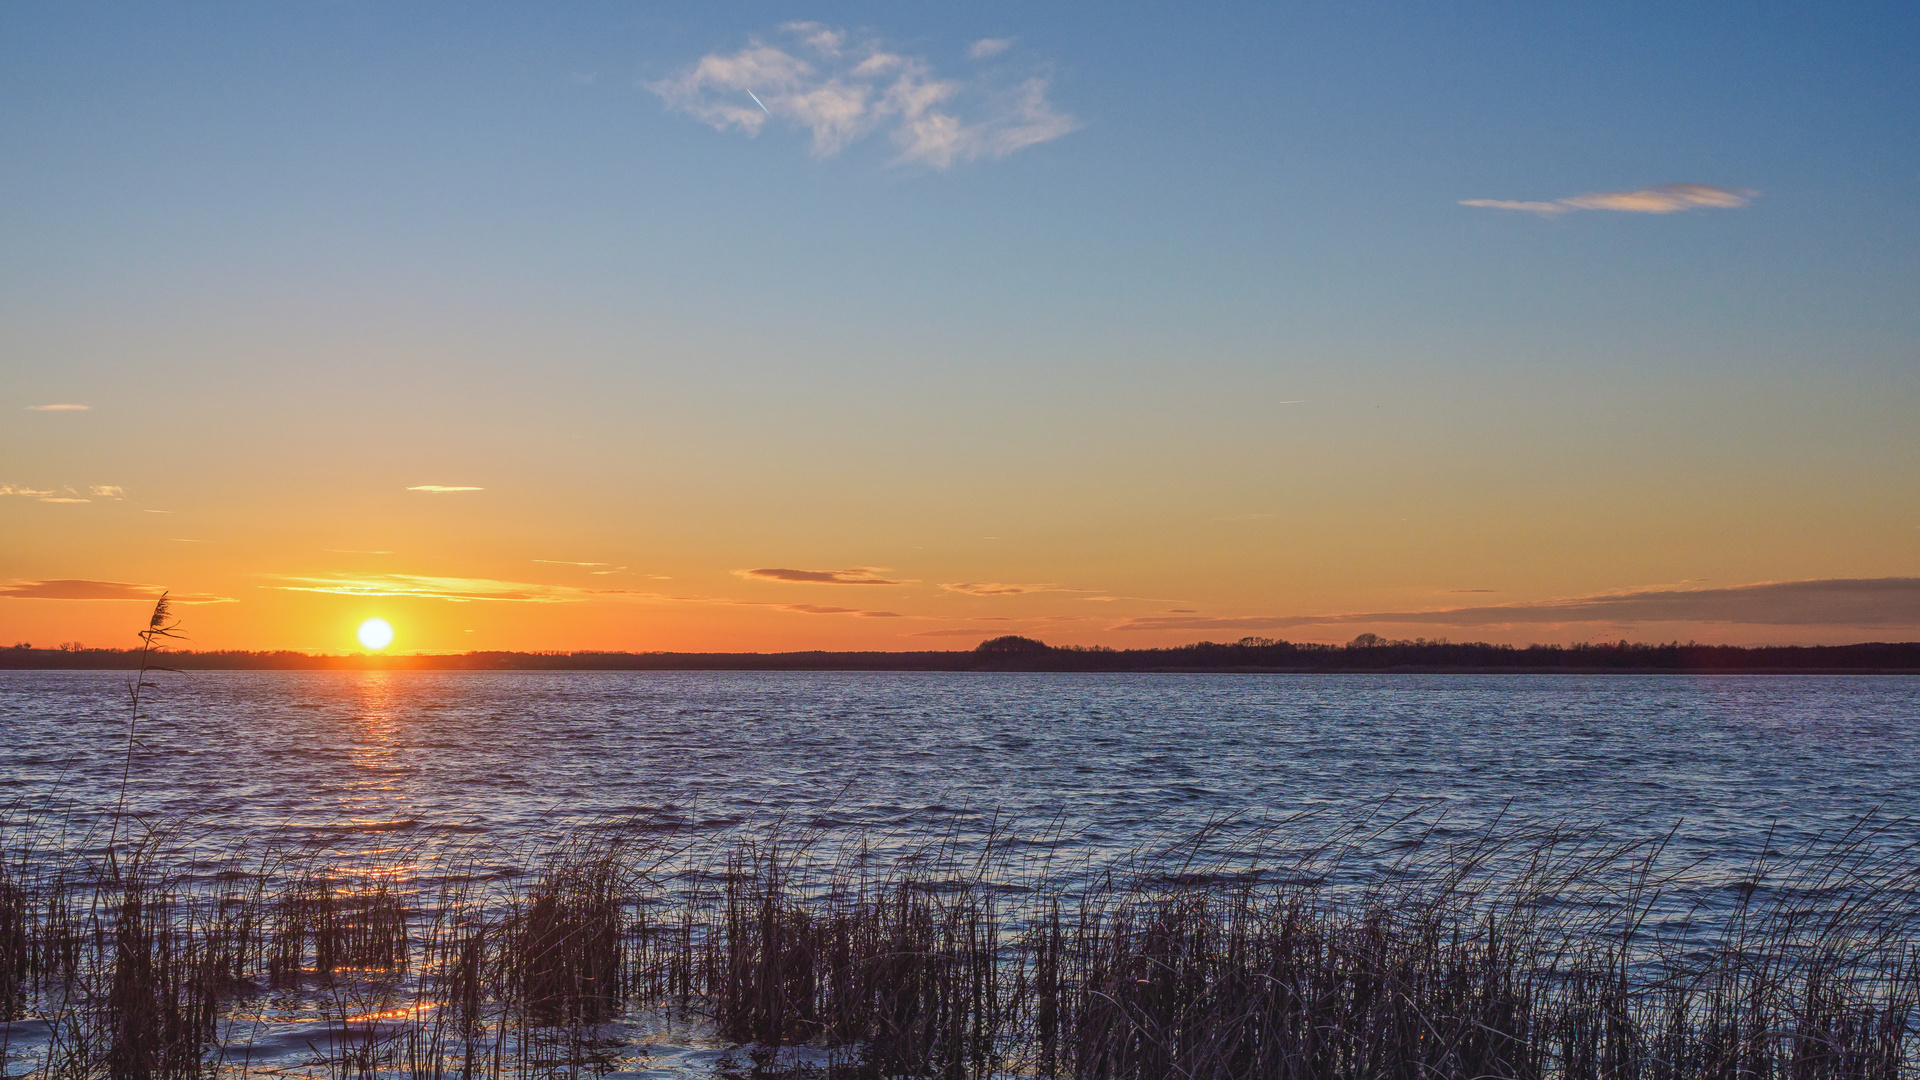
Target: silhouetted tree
(1012, 647)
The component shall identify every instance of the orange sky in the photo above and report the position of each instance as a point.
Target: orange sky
(1406, 533)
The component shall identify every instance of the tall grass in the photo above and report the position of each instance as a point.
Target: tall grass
(1294, 951)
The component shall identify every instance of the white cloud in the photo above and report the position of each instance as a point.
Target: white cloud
(441, 489)
(58, 408)
(1023, 119)
(986, 47)
(31, 493)
(1658, 199)
(107, 491)
(840, 91)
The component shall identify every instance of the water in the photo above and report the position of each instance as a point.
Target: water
(1114, 759)
(1107, 763)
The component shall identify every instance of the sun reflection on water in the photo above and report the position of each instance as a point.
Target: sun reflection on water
(379, 790)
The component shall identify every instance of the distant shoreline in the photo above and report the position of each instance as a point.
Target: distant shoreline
(1251, 656)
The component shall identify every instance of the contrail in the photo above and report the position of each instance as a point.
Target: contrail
(762, 104)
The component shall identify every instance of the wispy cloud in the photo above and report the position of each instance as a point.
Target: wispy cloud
(569, 562)
(987, 47)
(442, 489)
(1862, 602)
(58, 408)
(464, 589)
(818, 609)
(429, 587)
(995, 588)
(83, 589)
(1658, 199)
(858, 575)
(839, 90)
(64, 494)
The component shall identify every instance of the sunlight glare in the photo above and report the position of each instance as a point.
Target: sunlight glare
(376, 633)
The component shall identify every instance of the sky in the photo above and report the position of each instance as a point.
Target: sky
(774, 326)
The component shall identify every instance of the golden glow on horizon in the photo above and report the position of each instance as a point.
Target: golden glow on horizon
(376, 634)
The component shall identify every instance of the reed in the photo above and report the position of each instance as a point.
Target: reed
(1295, 951)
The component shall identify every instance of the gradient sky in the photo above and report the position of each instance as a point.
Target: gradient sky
(1107, 324)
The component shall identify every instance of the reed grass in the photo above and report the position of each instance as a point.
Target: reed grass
(1293, 951)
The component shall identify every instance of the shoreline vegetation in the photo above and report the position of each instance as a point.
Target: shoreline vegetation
(1365, 654)
(1295, 951)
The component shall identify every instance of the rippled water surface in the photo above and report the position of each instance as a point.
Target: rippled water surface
(1097, 765)
(1114, 758)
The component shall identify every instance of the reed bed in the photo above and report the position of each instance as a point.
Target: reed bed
(1309, 948)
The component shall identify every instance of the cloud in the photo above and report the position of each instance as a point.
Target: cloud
(58, 408)
(956, 631)
(63, 495)
(569, 562)
(816, 609)
(995, 588)
(441, 489)
(428, 587)
(83, 589)
(1022, 118)
(838, 92)
(1864, 602)
(1658, 199)
(107, 491)
(986, 47)
(800, 609)
(858, 575)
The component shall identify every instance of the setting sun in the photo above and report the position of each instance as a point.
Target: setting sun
(376, 633)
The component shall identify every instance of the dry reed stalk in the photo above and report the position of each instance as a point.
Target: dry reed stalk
(1527, 951)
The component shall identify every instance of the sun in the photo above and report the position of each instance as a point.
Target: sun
(376, 633)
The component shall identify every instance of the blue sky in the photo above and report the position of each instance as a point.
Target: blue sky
(341, 245)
